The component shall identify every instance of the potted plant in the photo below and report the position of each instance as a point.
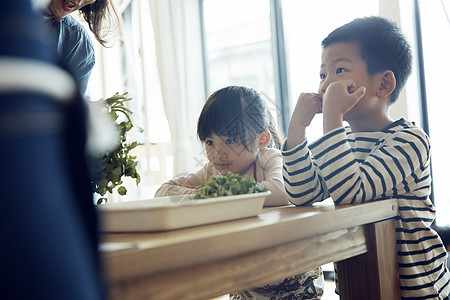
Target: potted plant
(109, 169)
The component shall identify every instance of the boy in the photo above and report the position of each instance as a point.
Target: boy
(365, 64)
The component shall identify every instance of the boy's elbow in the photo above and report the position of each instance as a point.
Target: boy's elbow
(304, 198)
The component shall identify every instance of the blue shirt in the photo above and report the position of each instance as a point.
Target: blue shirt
(75, 48)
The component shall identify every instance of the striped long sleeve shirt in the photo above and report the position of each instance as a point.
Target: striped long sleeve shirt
(366, 166)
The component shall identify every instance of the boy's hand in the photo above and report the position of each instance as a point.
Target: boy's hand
(339, 98)
(308, 105)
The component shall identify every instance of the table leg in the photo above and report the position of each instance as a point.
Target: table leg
(372, 275)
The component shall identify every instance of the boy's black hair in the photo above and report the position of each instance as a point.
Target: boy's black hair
(237, 112)
(381, 44)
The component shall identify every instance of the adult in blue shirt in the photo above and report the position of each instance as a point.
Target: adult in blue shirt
(74, 46)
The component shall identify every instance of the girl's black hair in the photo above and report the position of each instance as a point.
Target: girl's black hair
(239, 113)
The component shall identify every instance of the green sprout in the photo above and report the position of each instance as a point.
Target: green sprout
(231, 184)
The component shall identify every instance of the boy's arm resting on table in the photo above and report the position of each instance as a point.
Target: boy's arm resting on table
(401, 158)
(273, 181)
(304, 183)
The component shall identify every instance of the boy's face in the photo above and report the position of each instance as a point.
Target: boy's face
(228, 155)
(342, 61)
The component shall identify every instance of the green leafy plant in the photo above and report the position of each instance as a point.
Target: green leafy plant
(231, 184)
(109, 169)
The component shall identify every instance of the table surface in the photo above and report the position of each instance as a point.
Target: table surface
(329, 233)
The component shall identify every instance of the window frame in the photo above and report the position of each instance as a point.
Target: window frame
(282, 95)
(443, 231)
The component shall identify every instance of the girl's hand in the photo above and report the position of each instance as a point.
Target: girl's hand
(308, 105)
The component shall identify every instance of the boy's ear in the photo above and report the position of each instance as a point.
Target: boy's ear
(387, 84)
(264, 139)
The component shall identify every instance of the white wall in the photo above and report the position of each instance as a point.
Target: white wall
(408, 103)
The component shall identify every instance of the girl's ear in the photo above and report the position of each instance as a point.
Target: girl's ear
(387, 84)
(264, 139)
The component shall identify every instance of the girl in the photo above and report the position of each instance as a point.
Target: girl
(240, 136)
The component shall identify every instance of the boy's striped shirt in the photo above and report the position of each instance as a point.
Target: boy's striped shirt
(366, 166)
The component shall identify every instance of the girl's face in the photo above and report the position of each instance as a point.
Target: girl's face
(229, 155)
(61, 8)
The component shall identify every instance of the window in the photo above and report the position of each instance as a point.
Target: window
(141, 75)
(435, 29)
(306, 24)
(238, 44)
(129, 65)
(240, 48)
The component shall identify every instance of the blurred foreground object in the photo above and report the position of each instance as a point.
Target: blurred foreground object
(48, 222)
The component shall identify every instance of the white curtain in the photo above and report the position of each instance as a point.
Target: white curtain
(177, 31)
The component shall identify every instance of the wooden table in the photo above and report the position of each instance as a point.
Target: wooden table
(212, 260)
